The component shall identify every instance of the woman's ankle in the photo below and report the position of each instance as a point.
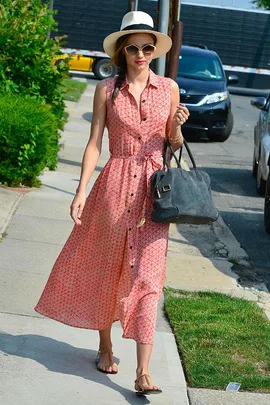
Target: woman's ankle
(141, 370)
(105, 347)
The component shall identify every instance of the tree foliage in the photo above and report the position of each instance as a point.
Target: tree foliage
(27, 53)
(262, 4)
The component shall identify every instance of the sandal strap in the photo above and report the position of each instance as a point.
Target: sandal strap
(147, 377)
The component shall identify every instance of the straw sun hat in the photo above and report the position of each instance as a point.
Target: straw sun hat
(136, 22)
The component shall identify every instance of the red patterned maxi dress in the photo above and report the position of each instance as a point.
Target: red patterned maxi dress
(110, 269)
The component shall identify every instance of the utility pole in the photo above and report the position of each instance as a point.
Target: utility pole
(132, 5)
(163, 24)
(177, 34)
(50, 8)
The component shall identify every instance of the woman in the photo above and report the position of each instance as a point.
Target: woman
(113, 265)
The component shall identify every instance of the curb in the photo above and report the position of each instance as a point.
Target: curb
(225, 236)
(10, 212)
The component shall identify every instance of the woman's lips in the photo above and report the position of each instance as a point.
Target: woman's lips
(140, 62)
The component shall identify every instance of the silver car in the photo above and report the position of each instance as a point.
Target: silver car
(261, 142)
(261, 154)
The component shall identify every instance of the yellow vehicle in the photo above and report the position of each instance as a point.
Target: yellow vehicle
(88, 61)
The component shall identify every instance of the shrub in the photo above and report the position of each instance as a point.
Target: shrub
(29, 140)
(27, 53)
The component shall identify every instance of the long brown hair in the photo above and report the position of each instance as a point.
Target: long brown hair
(119, 60)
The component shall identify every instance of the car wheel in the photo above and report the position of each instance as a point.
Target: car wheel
(260, 182)
(254, 165)
(267, 206)
(222, 137)
(58, 62)
(103, 70)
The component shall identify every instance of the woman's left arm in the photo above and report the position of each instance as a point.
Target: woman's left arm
(178, 116)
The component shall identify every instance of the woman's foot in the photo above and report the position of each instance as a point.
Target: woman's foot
(105, 363)
(144, 386)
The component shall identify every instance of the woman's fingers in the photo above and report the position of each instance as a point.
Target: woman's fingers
(76, 210)
(182, 114)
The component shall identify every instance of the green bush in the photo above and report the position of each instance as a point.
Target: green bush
(27, 54)
(29, 140)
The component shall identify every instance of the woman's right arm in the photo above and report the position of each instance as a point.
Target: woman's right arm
(92, 151)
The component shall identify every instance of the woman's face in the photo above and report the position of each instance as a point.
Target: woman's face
(142, 58)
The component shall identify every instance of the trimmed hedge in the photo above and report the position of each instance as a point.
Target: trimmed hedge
(27, 57)
(29, 140)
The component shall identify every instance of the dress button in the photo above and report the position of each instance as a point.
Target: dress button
(143, 101)
(139, 138)
(135, 175)
(132, 194)
(128, 211)
(130, 247)
(132, 266)
(129, 229)
(144, 119)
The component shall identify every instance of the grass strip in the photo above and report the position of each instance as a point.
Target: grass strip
(73, 89)
(220, 339)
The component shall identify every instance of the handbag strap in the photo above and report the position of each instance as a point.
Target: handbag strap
(178, 160)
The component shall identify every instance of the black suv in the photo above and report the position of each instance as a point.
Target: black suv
(203, 88)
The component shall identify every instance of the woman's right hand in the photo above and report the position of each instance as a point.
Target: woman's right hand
(77, 207)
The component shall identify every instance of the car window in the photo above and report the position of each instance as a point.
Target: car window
(200, 67)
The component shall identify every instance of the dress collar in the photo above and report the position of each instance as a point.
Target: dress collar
(152, 81)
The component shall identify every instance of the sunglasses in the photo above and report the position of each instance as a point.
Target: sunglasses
(132, 49)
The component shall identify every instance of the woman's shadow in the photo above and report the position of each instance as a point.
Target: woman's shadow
(61, 357)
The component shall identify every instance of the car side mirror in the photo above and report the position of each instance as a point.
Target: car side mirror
(259, 102)
(232, 79)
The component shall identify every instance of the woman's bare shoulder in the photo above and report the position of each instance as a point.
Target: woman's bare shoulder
(168, 81)
(106, 84)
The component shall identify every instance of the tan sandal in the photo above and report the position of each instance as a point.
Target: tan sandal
(147, 391)
(109, 365)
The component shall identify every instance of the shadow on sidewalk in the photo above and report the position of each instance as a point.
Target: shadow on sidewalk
(63, 358)
(74, 163)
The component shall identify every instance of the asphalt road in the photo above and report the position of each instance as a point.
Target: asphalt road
(229, 164)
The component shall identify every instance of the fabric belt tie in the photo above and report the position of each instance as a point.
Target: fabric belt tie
(153, 163)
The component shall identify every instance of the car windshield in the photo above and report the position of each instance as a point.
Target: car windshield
(199, 67)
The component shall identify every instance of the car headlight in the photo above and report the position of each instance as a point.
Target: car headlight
(215, 98)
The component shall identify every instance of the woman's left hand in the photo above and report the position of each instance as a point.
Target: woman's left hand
(181, 115)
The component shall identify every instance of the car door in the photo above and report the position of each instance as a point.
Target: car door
(260, 129)
(264, 116)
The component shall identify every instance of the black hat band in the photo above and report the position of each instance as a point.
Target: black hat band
(138, 27)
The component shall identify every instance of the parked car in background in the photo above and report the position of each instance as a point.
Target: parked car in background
(267, 206)
(83, 61)
(261, 143)
(203, 88)
(261, 153)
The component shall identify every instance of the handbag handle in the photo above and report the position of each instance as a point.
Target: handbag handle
(178, 160)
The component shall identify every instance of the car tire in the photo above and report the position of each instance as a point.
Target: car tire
(260, 182)
(222, 137)
(254, 165)
(267, 206)
(57, 63)
(102, 69)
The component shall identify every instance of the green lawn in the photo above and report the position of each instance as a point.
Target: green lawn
(220, 339)
(73, 89)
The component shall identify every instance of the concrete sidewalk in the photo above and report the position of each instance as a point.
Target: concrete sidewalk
(47, 363)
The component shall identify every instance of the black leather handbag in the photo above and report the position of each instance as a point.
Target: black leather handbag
(182, 196)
